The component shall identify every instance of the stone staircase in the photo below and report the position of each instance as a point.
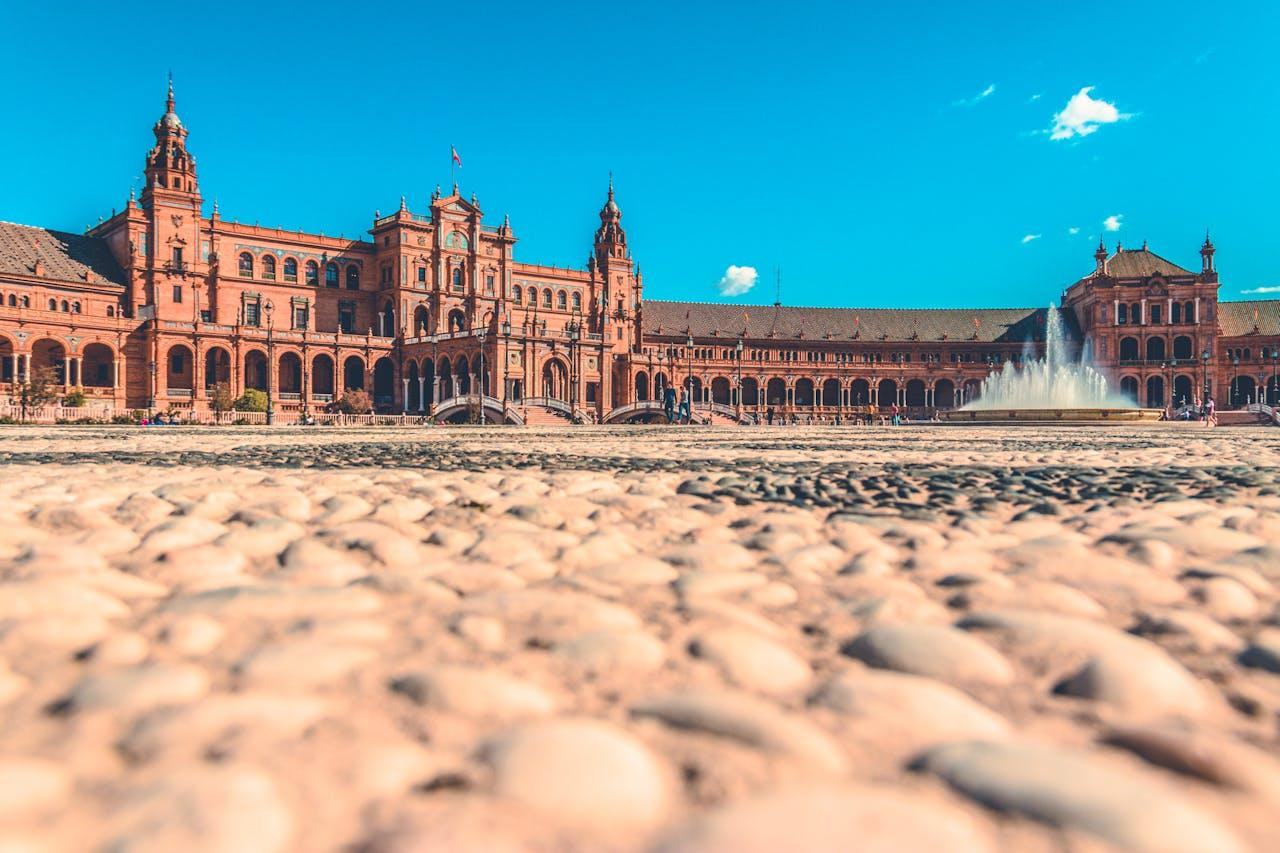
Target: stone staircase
(538, 416)
(1241, 418)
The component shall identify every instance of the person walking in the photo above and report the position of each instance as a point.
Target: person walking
(896, 415)
(686, 413)
(669, 403)
(1210, 413)
(768, 414)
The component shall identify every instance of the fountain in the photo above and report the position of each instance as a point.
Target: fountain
(1049, 389)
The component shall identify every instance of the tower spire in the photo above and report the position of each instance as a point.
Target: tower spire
(169, 100)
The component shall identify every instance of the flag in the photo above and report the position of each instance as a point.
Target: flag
(456, 159)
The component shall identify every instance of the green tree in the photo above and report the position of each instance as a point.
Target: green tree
(252, 400)
(75, 399)
(37, 390)
(355, 401)
(221, 399)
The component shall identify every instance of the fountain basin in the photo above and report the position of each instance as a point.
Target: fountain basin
(1074, 417)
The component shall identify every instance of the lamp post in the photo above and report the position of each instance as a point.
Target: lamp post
(1168, 391)
(1204, 373)
(661, 356)
(575, 334)
(154, 372)
(689, 346)
(1274, 396)
(738, 351)
(1235, 381)
(271, 406)
(481, 333)
(506, 380)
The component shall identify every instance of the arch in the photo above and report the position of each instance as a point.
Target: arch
(517, 295)
(456, 240)
(53, 305)
(1129, 388)
(457, 320)
(1155, 349)
(1129, 349)
(413, 399)
(290, 269)
(255, 369)
(694, 384)
(446, 379)
(1155, 392)
(462, 375)
(1183, 390)
(289, 373)
(887, 393)
(803, 392)
(353, 277)
(26, 302)
(312, 273)
(245, 267)
(421, 320)
(179, 368)
(562, 301)
(915, 392)
(388, 320)
(353, 373)
(775, 392)
(13, 300)
(384, 382)
(217, 367)
(6, 359)
(269, 267)
(456, 279)
(97, 366)
(555, 379)
(1242, 390)
(576, 301)
(1273, 391)
(1183, 347)
(111, 310)
(860, 393)
(49, 355)
(831, 393)
(944, 394)
(322, 375)
(660, 385)
(428, 382)
(750, 391)
(66, 307)
(546, 298)
(721, 391)
(330, 275)
(642, 386)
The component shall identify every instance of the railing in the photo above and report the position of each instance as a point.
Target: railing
(290, 395)
(322, 398)
(1271, 413)
(179, 392)
(53, 414)
(548, 403)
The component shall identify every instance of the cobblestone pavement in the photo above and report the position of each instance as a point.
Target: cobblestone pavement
(645, 638)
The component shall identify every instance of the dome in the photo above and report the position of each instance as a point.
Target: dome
(170, 119)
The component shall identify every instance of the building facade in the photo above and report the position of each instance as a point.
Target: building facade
(159, 305)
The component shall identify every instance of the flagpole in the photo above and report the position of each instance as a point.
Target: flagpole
(453, 166)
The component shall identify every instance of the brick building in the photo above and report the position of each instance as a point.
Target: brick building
(158, 304)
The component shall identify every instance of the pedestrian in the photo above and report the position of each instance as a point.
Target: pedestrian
(1211, 413)
(896, 415)
(686, 411)
(768, 414)
(669, 403)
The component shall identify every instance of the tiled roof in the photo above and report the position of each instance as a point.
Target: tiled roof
(63, 256)
(1009, 325)
(1140, 263)
(1238, 318)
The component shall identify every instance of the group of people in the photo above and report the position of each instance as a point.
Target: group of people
(681, 413)
(1206, 412)
(679, 409)
(161, 419)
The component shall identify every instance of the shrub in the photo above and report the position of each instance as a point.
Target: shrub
(75, 399)
(355, 402)
(252, 400)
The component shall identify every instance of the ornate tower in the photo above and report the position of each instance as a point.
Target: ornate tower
(614, 282)
(1100, 259)
(170, 167)
(1206, 258)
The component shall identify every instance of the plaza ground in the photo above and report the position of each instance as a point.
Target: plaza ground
(639, 638)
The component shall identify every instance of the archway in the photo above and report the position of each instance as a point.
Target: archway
(1129, 388)
(413, 400)
(446, 380)
(1242, 391)
(720, 391)
(831, 393)
(660, 385)
(428, 382)
(642, 386)
(255, 370)
(944, 394)
(217, 368)
(6, 354)
(1273, 391)
(322, 376)
(421, 320)
(353, 373)
(1128, 349)
(98, 367)
(457, 321)
(289, 374)
(384, 377)
(860, 393)
(694, 384)
(750, 392)
(887, 394)
(1155, 349)
(915, 392)
(555, 379)
(1183, 347)
(775, 392)
(1155, 391)
(49, 356)
(179, 374)
(803, 392)
(462, 371)
(387, 318)
(1182, 390)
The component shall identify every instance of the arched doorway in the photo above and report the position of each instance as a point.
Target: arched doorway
(322, 376)
(1155, 349)
(831, 393)
(642, 386)
(660, 385)
(353, 373)
(944, 394)
(98, 370)
(1243, 390)
(384, 378)
(694, 384)
(887, 394)
(1183, 348)
(48, 357)
(413, 400)
(860, 393)
(387, 318)
(720, 391)
(462, 378)
(457, 321)
(179, 369)
(428, 382)
(446, 380)
(750, 392)
(555, 380)
(1182, 390)
(217, 368)
(255, 370)
(915, 392)
(1155, 391)
(1128, 349)
(1129, 388)
(289, 374)
(421, 320)
(775, 393)
(803, 392)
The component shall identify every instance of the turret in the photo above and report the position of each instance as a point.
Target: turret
(1100, 258)
(1206, 257)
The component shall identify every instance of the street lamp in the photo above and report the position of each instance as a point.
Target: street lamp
(1168, 391)
(1274, 396)
(1204, 372)
(689, 346)
(575, 335)
(738, 351)
(1235, 381)
(153, 387)
(506, 345)
(480, 336)
(271, 360)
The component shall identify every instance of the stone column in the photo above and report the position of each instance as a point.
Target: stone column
(115, 373)
(17, 375)
(1168, 311)
(1116, 316)
(1197, 309)
(79, 365)
(422, 397)
(66, 371)
(404, 404)
(1142, 321)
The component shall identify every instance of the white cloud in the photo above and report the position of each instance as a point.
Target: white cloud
(1073, 230)
(737, 280)
(1027, 239)
(1262, 290)
(1083, 115)
(1113, 222)
(981, 96)
(1037, 96)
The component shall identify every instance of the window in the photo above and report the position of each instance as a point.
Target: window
(353, 277)
(562, 301)
(75, 307)
(422, 275)
(177, 258)
(204, 250)
(53, 305)
(347, 316)
(488, 284)
(26, 302)
(517, 296)
(386, 273)
(290, 269)
(313, 273)
(177, 294)
(300, 317)
(456, 240)
(13, 301)
(1155, 314)
(111, 310)
(206, 316)
(1175, 313)
(143, 245)
(246, 265)
(1124, 314)
(269, 268)
(457, 278)
(577, 302)
(177, 363)
(546, 298)
(66, 307)
(251, 313)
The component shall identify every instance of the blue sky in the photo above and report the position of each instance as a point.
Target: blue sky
(879, 154)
